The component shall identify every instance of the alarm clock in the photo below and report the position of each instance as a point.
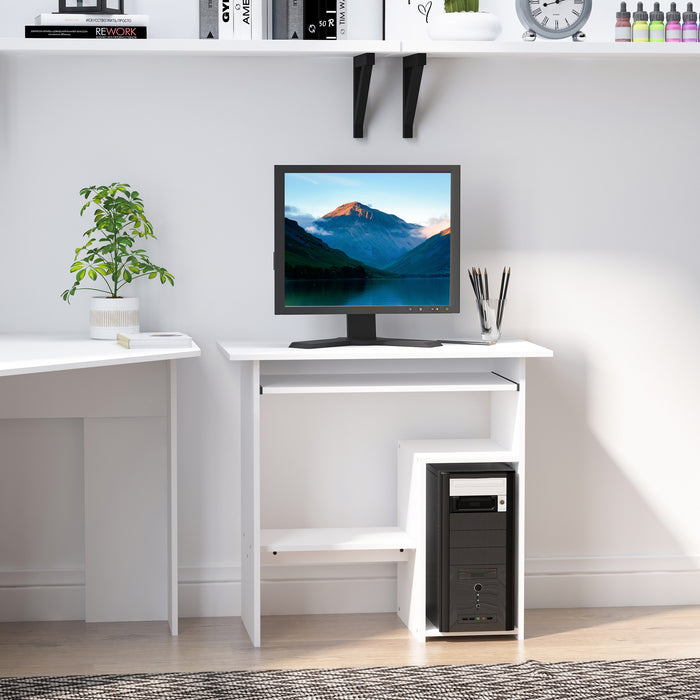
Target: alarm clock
(553, 19)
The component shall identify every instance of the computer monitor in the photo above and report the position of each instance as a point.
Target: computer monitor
(363, 240)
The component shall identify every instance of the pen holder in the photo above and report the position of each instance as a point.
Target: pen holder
(490, 316)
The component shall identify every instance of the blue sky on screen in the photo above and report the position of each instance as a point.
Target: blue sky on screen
(418, 198)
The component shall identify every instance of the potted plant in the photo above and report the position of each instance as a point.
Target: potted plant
(459, 20)
(111, 258)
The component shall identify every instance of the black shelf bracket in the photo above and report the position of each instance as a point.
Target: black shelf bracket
(412, 74)
(361, 76)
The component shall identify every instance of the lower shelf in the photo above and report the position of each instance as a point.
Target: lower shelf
(334, 545)
(432, 631)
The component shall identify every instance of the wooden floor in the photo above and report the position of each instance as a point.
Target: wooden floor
(323, 641)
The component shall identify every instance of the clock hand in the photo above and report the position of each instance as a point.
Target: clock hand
(554, 2)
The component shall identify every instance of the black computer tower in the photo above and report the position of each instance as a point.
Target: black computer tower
(470, 547)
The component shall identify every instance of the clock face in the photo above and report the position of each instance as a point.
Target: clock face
(554, 18)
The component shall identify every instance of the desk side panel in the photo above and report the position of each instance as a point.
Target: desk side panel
(250, 499)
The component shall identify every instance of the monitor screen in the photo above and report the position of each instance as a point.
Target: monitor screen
(366, 240)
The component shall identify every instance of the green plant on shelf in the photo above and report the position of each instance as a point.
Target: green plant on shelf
(461, 5)
(109, 255)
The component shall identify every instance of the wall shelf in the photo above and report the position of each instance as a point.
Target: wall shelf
(363, 53)
(196, 47)
(432, 49)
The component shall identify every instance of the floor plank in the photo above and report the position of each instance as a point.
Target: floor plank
(324, 641)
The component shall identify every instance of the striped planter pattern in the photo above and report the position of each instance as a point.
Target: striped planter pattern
(110, 315)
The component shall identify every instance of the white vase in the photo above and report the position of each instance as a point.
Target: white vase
(464, 26)
(112, 315)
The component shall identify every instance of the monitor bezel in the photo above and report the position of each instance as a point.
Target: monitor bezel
(279, 278)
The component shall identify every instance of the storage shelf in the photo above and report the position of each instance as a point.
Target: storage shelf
(339, 538)
(461, 450)
(432, 631)
(384, 383)
(433, 49)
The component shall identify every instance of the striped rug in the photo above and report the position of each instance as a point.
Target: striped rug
(597, 680)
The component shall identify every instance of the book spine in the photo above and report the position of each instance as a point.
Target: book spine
(295, 19)
(226, 20)
(89, 31)
(341, 20)
(331, 28)
(280, 19)
(321, 31)
(57, 18)
(241, 20)
(258, 19)
(208, 19)
(310, 20)
(365, 19)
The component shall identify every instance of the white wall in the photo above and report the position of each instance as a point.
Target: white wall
(581, 175)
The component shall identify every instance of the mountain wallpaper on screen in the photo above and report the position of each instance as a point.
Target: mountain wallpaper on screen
(368, 234)
(356, 241)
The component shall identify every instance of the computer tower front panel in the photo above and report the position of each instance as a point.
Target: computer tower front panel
(470, 547)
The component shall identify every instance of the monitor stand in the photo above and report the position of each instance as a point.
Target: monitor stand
(362, 330)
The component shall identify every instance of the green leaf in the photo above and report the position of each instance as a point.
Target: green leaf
(92, 274)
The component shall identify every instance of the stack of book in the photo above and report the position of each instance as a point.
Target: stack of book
(154, 339)
(64, 25)
(324, 20)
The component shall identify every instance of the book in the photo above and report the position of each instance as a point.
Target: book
(58, 18)
(242, 20)
(226, 19)
(154, 339)
(258, 19)
(280, 19)
(310, 20)
(208, 19)
(341, 19)
(364, 19)
(327, 20)
(88, 31)
(295, 19)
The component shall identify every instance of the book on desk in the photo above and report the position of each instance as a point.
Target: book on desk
(154, 339)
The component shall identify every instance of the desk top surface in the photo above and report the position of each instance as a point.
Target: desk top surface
(240, 351)
(27, 354)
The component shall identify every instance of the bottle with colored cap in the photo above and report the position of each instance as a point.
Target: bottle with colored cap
(690, 24)
(674, 32)
(640, 28)
(657, 31)
(623, 28)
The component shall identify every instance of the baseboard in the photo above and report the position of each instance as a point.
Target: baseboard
(206, 591)
(586, 582)
(56, 594)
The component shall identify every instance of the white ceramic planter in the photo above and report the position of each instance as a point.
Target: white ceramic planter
(464, 26)
(110, 315)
